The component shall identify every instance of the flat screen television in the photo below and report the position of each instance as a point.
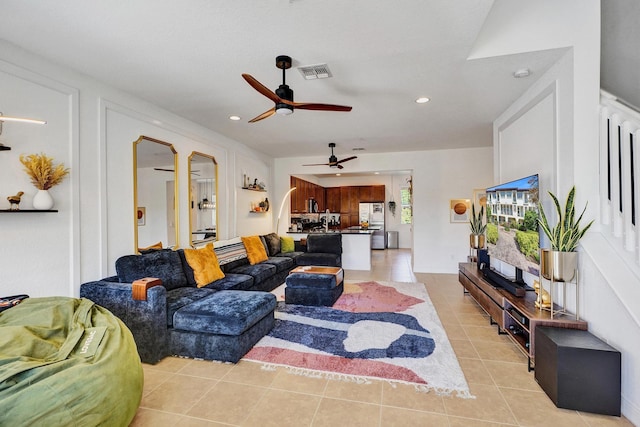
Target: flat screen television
(513, 236)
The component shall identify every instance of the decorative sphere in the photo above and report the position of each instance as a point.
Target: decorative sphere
(459, 208)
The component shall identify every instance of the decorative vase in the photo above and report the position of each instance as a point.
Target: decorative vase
(476, 241)
(42, 201)
(561, 265)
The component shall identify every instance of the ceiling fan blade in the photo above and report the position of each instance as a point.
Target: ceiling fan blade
(321, 107)
(340, 166)
(318, 164)
(347, 159)
(261, 88)
(264, 115)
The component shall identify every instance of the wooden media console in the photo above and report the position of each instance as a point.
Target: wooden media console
(515, 316)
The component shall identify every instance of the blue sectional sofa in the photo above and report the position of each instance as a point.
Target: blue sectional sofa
(217, 321)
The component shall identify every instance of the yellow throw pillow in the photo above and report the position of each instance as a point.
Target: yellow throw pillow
(255, 249)
(287, 244)
(204, 264)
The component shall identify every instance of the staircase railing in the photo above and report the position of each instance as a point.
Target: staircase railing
(619, 172)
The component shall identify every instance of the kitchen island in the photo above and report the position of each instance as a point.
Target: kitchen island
(356, 247)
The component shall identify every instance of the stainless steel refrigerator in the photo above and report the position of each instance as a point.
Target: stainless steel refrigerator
(373, 213)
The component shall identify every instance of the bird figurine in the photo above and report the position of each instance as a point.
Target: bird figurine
(15, 201)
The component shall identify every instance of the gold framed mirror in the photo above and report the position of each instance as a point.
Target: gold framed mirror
(203, 198)
(155, 194)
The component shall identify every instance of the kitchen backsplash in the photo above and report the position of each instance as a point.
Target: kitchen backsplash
(315, 220)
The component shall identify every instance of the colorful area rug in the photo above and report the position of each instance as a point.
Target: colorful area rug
(375, 330)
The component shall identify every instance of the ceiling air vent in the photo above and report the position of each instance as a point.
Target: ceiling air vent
(319, 71)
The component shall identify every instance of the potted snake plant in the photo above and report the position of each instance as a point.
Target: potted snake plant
(561, 261)
(478, 227)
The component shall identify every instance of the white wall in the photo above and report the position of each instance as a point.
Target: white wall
(438, 176)
(44, 242)
(91, 129)
(572, 87)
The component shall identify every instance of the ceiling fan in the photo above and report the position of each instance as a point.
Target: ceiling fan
(283, 96)
(333, 160)
(173, 170)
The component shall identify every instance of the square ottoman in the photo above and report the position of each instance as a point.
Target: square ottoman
(223, 326)
(313, 285)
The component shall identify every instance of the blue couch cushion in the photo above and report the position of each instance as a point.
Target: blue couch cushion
(282, 263)
(232, 265)
(292, 255)
(322, 259)
(260, 272)
(164, 264)
(179, 297)
(225, 312)
(232, 282)
(330, 243)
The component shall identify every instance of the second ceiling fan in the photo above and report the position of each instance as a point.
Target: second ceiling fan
(333, 160)
(283, 96)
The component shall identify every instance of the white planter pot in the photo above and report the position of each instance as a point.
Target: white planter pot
(562, 265)
(42, 200)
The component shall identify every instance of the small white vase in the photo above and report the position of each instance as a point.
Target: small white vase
(42, 200)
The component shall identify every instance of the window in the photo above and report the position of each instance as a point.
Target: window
(405, 203)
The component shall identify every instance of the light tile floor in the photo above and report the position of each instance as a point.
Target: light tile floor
(184, 392)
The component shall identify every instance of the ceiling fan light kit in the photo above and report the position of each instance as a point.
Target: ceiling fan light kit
(283, 96)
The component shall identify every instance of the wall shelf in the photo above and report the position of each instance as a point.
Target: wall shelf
(254, 189)
(258, 212)
(26, 210)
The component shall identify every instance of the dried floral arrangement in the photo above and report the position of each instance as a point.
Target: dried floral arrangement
(42, 172)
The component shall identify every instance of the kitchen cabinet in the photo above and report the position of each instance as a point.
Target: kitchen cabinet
(364, 194)
(306, 190)
(345, 206)
(320, 197)
(354, 200)
(333, 199)
(377, 193)
(345, 222)
(345, 200)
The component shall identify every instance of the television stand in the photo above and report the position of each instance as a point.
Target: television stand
(515, 316)
(515, 286)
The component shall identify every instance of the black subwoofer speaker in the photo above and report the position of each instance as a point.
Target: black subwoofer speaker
(578, 371)
(483, 259)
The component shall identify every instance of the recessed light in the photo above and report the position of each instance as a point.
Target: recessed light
(376, 173)
(234, 118)
(422, 100)
(338, 174)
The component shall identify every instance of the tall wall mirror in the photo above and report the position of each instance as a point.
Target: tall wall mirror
(203, 200)
(155, 194)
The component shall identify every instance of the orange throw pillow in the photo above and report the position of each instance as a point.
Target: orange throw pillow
(255, 249)
(204, 263)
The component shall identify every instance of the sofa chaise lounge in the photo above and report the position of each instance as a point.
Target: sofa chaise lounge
(219, 320)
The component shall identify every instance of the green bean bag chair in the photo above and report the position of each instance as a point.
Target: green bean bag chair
(67, 362)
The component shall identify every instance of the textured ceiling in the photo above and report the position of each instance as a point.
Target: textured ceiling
(188, 57)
